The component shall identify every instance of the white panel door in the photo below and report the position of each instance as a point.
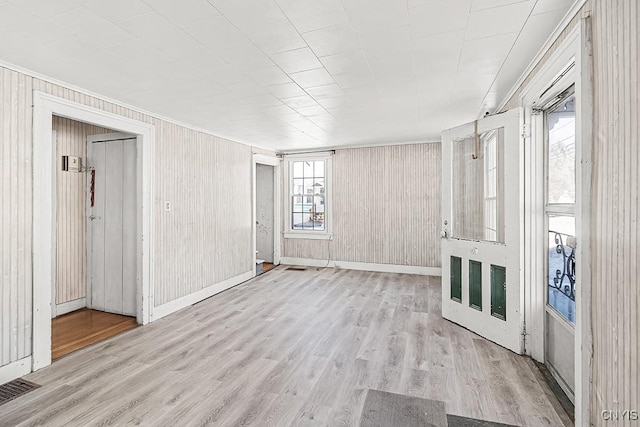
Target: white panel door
(265, 212)
(112, 226)
(481, 223)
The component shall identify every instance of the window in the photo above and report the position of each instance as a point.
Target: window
(308, 196)
(560, 163)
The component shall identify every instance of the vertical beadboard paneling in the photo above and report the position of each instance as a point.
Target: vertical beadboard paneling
(386, 208)
(615, 235)
(207, 233)
(70, 216)
(15, 217)
(204, 239)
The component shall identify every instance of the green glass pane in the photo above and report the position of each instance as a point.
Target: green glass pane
(456, 279)
(475, 285)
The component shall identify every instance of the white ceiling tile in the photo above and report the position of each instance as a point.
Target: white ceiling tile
(309, 15)
(312, 110)
(312, 78)
(544, 6)
(331, 40)
(300, 101)
(354, 79)
(333, 102)
(184, 12)
(249, 14)
(276, 37)
(354, 61)
(46, 8)
(286, 90)
(296, 60)
(326, 91)
(13, 18)
(367, 15)
(402, 70)
(489, 4)
(91, 27)
(442, 17)
(495, 47)
(504, 19)
(385, 42)
(531, 39)
(264, 101)
(116, 10)
(267, 76)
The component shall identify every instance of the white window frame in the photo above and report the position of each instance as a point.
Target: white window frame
(289, 231)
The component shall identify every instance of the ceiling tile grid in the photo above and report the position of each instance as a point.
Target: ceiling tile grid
(288, 74)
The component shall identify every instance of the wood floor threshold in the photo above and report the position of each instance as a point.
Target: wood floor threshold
(92, 339)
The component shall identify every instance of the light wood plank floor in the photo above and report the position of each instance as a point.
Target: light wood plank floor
(81, 328)
(288, 348)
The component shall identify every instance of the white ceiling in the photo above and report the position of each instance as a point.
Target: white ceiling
(288, 74)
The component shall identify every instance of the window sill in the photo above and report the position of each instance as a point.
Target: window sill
(309, 236)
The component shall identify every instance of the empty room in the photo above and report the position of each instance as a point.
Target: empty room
(319, 212)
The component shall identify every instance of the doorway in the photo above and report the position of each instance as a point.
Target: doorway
(45, 201)
(265, 217)
(266, 212)
(94, 291)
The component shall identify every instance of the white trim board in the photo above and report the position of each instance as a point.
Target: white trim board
(363, 266)
(187, 300)
(15, 370)
(68, 307)
(576, 46)
(277, 206)
(44, 209)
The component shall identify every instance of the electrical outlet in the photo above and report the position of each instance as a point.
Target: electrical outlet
(167, 206)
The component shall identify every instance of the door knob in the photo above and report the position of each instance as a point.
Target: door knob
(444, 233)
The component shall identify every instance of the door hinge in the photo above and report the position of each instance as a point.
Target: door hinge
(526, 130)
(523, 334)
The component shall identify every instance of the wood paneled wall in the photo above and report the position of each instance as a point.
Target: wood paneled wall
(205, 238)
(615, 233)
(71, 140)
(386, 208)
(15, 216)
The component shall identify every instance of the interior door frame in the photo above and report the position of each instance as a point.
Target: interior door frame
(576, 47)
(114, 136)
(277, 214)
(44, 209)
(505, 333)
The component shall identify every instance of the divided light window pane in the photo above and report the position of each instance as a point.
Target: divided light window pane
(308, 200)
(561, 127)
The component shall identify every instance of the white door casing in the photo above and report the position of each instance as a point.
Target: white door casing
(44, 209)
(277, 234)
(111, 222)
(507, 332)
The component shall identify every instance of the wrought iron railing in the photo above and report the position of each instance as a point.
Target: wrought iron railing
(565, 278)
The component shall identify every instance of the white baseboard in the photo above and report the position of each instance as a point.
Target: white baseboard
(68, 307)
(365, 266)
(15, 370)
(187, 300)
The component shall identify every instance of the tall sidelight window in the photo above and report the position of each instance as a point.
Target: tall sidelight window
(560, 164)
(308, 196)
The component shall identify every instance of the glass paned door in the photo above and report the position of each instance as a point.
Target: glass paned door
(481, 218)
